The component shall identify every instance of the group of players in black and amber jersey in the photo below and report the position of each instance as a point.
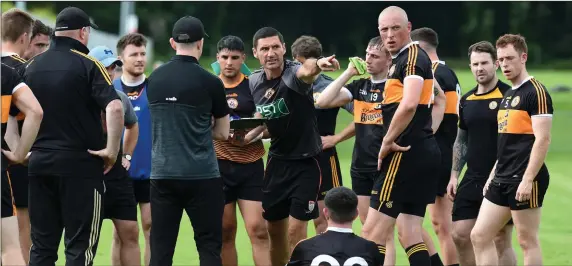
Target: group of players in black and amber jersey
(414, 133)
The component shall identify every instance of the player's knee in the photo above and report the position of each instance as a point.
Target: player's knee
(257, 232)
(461, 237)
(478, 237)
(527, 239)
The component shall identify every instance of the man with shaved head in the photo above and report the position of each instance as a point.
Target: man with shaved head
(409, 150)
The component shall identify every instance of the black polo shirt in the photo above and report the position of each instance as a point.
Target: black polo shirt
(72, 89)
(183, 98)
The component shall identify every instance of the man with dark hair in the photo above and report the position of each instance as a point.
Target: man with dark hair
(132, 51)
(338, 245)
(476, 145)
(241, 165)
(70, 156)
(309, 47)
(16, 33)
(282, 92)
(440, 211)
(15, 92)
(119, 199)
(185, 174)
(519, 180)
(41, 35)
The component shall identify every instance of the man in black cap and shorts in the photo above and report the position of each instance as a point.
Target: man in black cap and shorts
(184, 100)
(70, 156)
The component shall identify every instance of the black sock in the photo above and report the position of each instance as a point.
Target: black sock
(456, 264)
(418, 255)
(382, 253)
(436, 260)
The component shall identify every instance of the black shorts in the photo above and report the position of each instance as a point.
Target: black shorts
(19, 178)
(407, 178)
(331, 173)
(142, 190)
(393, 209)
(8, 208)
(444, 172)
(120, 200)
(362, 182)
(241, 181)
(291, 187)
(504, 194)
(469, 198)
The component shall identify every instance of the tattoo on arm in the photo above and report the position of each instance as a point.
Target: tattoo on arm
(460, 150)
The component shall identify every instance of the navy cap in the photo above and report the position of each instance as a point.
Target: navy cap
(188, 29)
(73, 18)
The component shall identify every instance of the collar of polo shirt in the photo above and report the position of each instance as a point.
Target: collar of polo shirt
(187, 58)
(65, 43)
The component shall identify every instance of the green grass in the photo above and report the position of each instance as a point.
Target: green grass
(555, 230)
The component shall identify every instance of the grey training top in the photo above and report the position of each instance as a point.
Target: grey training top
(129, 114)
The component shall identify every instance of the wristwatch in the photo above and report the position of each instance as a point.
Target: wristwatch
(127, 156)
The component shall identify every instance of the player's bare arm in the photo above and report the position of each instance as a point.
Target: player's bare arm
(491, 176)
(25, 100)
(541, 126)
(331, 141)
(221, 128)
(114, 117)
(412, 88)
(335, 94)
(459, 159)
(129, 142)
(12, 135)
(439, 106)
(312, 67)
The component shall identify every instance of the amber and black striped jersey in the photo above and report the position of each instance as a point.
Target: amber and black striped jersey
(447, 131)
(11, 81)
(515, 134)
(369, 131)
(16, 62)
(336, 246)
(410, 62)
(241, 105)
(478, 116)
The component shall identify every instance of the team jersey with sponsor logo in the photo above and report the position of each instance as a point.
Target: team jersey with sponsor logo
(410, 62)
(447, 131)
(478, 116)
(336, 246)
(288, 105)
(515, 134)
(11, 81)
(369, 131)
(241, 105)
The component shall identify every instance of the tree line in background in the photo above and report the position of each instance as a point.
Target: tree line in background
(344, 28)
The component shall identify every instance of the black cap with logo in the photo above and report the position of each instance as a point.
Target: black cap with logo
(73, 18)
(188, 29)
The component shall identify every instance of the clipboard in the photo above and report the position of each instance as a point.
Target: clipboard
(246, 123)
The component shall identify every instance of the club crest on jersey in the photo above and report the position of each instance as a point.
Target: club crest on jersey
(515, 101)
(389, 204)
(232, 103)
(269, 92)
(391, 70)
(493, 105)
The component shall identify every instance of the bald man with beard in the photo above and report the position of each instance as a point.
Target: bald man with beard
(409, 150)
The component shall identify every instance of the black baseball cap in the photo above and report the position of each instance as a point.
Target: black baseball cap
(73, 18)
(188, 29)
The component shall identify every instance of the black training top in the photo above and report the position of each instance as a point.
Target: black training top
(72, 89)
(336, 246)
(18, 63)
(288, 104)
(478, 116)
(183, 98)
